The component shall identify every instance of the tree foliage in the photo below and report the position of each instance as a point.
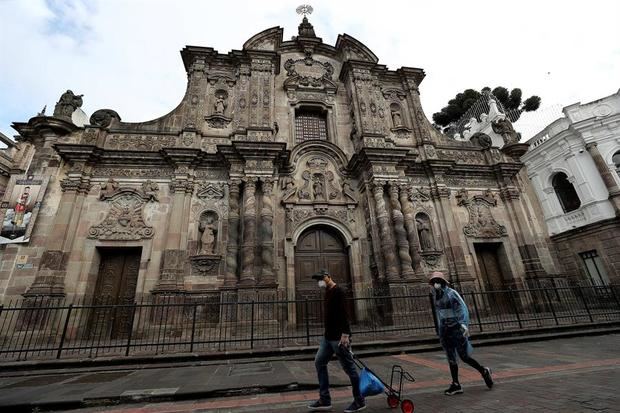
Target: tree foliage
(511, 100)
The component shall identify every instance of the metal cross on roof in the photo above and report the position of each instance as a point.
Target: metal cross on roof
(305, 9)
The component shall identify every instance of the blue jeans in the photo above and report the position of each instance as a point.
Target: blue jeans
(327, 349)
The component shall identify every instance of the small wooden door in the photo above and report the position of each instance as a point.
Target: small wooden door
(491, 271)
(320, 247)
(116, 285)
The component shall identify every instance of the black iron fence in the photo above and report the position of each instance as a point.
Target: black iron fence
(45, 329)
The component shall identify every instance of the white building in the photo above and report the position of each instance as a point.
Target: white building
(573, 166)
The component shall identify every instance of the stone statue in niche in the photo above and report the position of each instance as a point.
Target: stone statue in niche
(396, 115)
(220, 102)
(67, 104)
(108, 188)
(208, 229)
(424, 232)
(317, 186)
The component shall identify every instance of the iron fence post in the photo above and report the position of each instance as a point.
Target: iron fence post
(473, 298)
(430, 297)
(252, 327)
(611, 289)
(585, 303)
(551, 306)
(307, 322)
(191, 345)
(130, 333)
(514, 306)
(64, 331)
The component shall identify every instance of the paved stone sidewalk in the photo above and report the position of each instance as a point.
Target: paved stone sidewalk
(568, 375)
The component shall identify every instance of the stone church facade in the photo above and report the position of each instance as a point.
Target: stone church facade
(282, 158)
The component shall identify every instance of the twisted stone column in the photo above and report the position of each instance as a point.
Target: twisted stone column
(406, 269)
(266, 233)
(387, 243)
(248, 278)
(412, 233)
(232, 249)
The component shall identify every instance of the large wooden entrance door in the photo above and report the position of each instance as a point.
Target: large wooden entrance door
(491, 270)
(116, 285)
(320, 247)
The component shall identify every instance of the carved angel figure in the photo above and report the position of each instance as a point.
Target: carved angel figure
(108, 188)
(504, 128)
(67, 104)
(150, 189)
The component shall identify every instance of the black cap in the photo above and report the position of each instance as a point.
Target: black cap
(320, 274)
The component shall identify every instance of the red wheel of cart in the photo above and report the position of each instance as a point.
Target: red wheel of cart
(393, 400)
(407, 406)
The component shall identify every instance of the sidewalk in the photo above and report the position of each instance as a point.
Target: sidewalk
(287, 384)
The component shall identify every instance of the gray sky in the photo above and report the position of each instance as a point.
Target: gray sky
(124, 54)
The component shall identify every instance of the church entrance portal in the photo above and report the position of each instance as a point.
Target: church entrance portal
(490, 260)
(116, 285)
(319, 247)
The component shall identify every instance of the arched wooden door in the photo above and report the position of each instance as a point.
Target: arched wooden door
(320, 247)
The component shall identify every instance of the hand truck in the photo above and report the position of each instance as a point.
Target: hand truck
(394, 396)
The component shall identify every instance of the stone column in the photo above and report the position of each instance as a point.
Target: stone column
(412, 233)
(606, 174)
(387, 242)
(50, 278)
(248, 278)
(525, 240)
(174, 257)
(266, 234)
(406, 270)
(232, 249)
(455, 254)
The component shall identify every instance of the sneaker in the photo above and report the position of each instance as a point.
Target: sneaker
(355, 407)
(453, 389)
(486, 375)
(319, 406)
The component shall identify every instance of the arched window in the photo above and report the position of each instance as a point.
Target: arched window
(310, 124)
(566, 192)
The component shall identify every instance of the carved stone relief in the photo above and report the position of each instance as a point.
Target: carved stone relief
(481, 221)
(124, 220)
(140, 142)
(210, 190)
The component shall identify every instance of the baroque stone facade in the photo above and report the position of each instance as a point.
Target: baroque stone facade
(281, 158)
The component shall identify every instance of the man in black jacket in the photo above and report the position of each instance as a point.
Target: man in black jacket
(335, 341)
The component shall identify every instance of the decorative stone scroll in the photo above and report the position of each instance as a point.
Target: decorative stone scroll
(205, 264)
(308, 72)
(481, 221)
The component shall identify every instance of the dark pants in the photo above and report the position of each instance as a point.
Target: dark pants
(453, 342)
(327, 349)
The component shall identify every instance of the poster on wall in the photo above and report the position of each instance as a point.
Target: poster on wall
(20, 206)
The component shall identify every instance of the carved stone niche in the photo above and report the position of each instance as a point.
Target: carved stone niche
(207, 261)
(218, 118)
(481, 221)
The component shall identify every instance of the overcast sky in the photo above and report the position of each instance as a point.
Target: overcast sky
(124, 54)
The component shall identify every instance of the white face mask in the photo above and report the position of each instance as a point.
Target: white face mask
(322, 284)
(437, 286)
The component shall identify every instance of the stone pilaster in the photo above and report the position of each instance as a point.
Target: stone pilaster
(606, 175)
(232, 249)
(248, 278)
(406, 271)
(412, 233)
(387, 242)
(266, 234)
(457, 265)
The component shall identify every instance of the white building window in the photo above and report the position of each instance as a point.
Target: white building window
(616, 160)
(594, 267)
(566, 193)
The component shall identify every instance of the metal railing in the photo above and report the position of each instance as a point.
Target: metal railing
(44, 329)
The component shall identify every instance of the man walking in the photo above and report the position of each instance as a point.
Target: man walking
(336, 340)
(453, 330)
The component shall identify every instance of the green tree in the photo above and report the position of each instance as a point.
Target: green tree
(511, 100)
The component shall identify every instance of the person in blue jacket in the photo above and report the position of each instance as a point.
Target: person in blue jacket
(453, 331)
